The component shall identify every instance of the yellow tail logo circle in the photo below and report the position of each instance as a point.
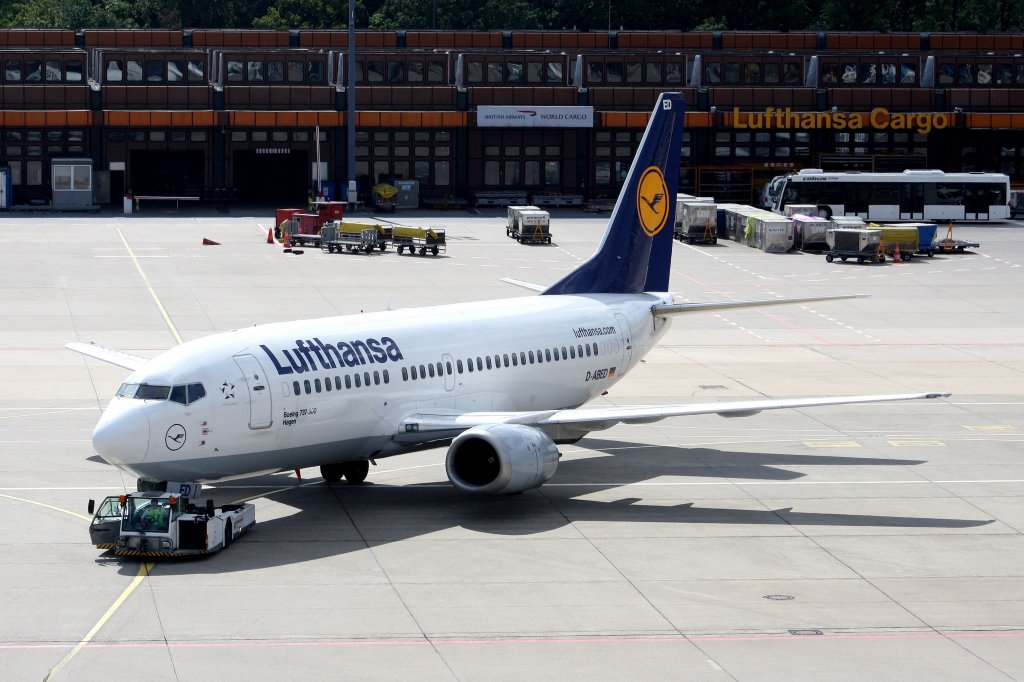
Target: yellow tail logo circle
(652, 201)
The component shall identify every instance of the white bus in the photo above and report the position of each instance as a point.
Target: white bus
(910, 195)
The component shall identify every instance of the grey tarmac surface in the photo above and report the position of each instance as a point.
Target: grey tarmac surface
(872, 542)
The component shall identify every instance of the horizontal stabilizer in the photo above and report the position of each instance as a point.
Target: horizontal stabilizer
(114, 357)
(666, 309)
(526, 285)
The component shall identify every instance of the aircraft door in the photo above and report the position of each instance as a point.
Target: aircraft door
(448, 364)
(260, 407)
(626, 337)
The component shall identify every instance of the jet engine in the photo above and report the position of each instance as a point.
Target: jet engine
(501, 458)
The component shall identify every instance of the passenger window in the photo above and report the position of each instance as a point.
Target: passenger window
(531, 357)
(337, 383)
(348, 381)
(565, 354)
(178, 395)
(547, 355)
(448, 366)
(488, 362)
(295, 388)
(515, 360)
(358, 381)
(316, 384)
(415, 375)
(376, 378)
(366, 378)
(458, 365)
(327, 384)
(405, 374)
(595, 348)
(579, 350)
(497, 361)
(387, 379)
(423, 372)
(479, 364)
(506, 358)
(430, 368)
(522, 357)
(307, 387)
(588, 350)
(469, 364)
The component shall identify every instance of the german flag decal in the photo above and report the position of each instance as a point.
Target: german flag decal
(652, 201)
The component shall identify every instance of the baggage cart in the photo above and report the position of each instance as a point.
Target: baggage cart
(419, 239)
(845, 243)
(810, 210)
(949, 245)
(899, 238)
(513, 214)
(531, 227)
(336, 239)
(304, 229)
(696, 222)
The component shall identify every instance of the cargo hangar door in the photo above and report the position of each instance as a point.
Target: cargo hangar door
(166, 173)
(281, 178)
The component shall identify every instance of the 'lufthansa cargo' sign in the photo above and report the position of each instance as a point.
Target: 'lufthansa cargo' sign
(534, 117)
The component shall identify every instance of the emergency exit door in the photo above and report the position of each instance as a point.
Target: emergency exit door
(260, 408)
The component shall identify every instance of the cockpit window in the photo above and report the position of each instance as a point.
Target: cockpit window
(184, 394)
(187, 394)
(143, 391)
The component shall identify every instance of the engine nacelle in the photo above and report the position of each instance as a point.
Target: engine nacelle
(501, 458)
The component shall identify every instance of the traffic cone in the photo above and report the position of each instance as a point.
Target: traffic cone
(270, 236)
(896, 254)
(287, 243)
(210, 242)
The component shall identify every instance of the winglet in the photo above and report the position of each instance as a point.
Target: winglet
(114, 357)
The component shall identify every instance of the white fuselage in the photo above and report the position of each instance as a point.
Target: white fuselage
(268, 407)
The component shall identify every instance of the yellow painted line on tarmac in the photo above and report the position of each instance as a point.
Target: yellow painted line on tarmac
(989, 427)
(921, 443)
(156, 299)
(831, 444)
(143, 572)
(48, 506)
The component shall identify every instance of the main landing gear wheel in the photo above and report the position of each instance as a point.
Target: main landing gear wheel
(331, 473)
(355, 472)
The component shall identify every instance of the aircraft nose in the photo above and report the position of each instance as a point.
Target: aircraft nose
(122, 435)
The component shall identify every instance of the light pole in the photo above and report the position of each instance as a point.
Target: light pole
(350, 118)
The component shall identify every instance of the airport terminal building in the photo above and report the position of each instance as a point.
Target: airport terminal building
(259, 116)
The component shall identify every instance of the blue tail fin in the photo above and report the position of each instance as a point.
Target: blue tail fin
(636, 252)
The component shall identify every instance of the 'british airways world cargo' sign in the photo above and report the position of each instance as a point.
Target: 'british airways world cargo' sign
(488, 116)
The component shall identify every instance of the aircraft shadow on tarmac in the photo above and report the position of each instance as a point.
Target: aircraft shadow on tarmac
(318, 521)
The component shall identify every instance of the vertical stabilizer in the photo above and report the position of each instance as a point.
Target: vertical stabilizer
(635, 254)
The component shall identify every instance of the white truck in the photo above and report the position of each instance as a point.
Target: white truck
(165, 524)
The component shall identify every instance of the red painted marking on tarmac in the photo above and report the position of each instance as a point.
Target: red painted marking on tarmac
(515, 640)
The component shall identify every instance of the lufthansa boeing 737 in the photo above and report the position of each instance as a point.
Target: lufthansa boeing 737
(499, 382)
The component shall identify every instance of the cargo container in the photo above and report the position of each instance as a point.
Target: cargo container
(696, 222)
(774, 234)
(809, 232)
(925, 236)
(800, 209)
(901, 238)
(859, 243)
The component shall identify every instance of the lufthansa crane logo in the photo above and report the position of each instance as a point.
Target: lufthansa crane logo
(175, 437)
(652, 201)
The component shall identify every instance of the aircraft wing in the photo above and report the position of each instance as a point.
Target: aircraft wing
(114, 357)
(428, 425)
